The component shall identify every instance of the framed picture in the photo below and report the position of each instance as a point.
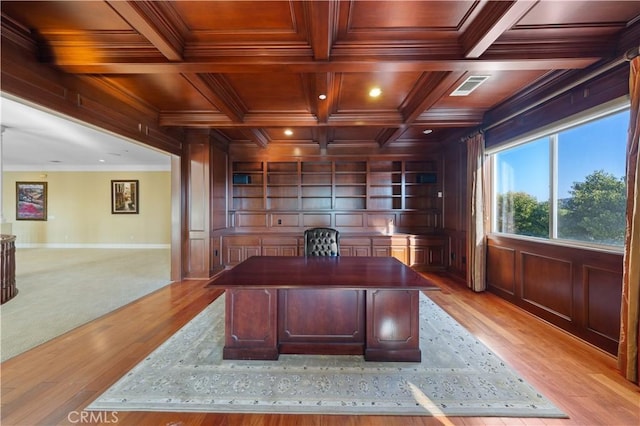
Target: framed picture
(31, 200)
(125, 196)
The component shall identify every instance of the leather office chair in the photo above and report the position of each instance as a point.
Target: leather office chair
(321, 242)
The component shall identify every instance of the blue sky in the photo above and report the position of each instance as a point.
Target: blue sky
(582, 150)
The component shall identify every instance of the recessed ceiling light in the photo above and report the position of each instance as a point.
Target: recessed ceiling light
(322, 97)
(288, 132)
(375, 92)
(427, 131)
(101, 161)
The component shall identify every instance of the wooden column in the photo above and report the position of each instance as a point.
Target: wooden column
(196, 164)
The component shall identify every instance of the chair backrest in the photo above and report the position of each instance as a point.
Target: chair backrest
(321, 242)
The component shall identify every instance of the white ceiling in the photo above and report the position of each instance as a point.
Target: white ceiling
(36, 140)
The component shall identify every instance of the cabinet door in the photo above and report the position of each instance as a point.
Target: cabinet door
(346, 250)
(271, 251)
(239, 248)
(419, 256)
(361, 251)
(280, 251)
(237, 254)
(289, 251)
(251, 251)
(399, 253)
(234, 255)
(381, 251)
(437, 257)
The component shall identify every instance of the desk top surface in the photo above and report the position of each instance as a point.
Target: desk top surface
(322, 272)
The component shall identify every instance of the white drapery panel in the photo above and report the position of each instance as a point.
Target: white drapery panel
(628, 361)
(477, 221)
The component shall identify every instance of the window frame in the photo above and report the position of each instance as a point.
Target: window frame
(550, 132)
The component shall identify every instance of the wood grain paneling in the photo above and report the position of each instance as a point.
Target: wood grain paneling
(251, 323)
(501, 268)
(336, 316)
(219, 202)
(251, 220)
(548, 283)
(250, 68)
(283, 219)
(603, 288)
(578, 289)
(316, 220)
(346, 220)
(391, 324)
(197, 157)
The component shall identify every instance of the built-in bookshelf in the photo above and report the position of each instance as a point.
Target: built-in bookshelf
(317, 185)
(248, 185)
(385, 185)
(283, 186)
(351, 185)
(422, 186)
(336, 185)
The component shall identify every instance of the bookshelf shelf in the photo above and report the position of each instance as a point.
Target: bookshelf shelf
(341, 185)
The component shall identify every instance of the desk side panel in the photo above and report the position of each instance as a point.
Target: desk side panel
(393, 325)
(251, 324)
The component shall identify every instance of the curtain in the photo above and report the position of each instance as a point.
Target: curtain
(628, 361)
(476, 220)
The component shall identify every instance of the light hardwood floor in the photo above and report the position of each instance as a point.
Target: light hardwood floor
(51, 384)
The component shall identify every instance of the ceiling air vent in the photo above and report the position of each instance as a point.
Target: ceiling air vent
(469, 85)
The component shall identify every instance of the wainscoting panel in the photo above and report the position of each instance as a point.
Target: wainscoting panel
(603, 289)
(501, 268)
(322, 219)
(349, 220)
(575, 288)
(547, 283)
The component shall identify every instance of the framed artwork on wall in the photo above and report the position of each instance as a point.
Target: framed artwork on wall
(31, 200)
(125, 197)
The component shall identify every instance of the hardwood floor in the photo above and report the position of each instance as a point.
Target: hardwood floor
(51, 383)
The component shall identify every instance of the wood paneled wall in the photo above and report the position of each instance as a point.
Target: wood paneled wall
(197, 161)
(577, 289)
(455, 212)
(82, 98)
(566, 96)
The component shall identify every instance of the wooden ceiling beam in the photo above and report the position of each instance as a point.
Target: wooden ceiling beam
(286, 65)
(322, 27)
(257, 136)
(430, 89)
(149, 20)
(190, 118)
(388, 136)
(323, 139)
(494, 19)
(215, 90)
(325, 84)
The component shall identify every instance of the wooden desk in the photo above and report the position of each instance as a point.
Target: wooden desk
(322, 305)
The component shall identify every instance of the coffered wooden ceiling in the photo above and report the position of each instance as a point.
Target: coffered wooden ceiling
(248, 70)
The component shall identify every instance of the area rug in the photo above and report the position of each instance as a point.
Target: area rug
(458, 376)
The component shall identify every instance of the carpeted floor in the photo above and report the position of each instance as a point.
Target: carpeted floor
(458, 376)
(60, 289)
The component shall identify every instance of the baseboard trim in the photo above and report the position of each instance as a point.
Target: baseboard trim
(93, 245)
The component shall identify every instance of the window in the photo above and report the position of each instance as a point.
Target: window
(566, 184)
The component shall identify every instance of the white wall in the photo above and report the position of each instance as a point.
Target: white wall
(79, 210)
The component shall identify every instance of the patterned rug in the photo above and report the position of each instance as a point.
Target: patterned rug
(458, 376)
